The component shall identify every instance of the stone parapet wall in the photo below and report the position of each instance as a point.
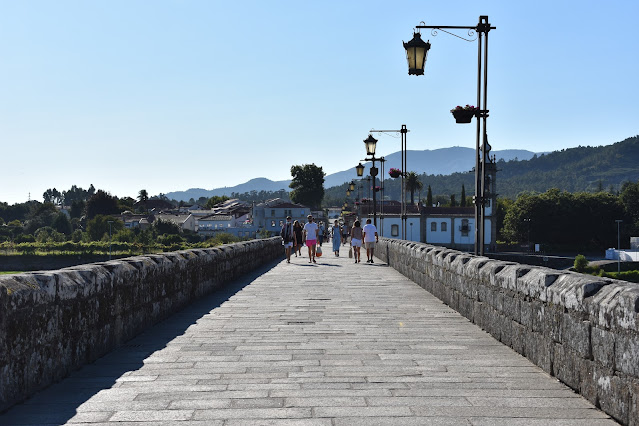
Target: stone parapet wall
(52, 322)
(584, 330)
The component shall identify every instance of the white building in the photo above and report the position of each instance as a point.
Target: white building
(272, 214)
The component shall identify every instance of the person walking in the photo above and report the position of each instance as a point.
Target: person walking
(335, 232)
(288, 238)
(370, 238)
(299, 242)
(320, 234)
(345, 231)
(311, 230)
(356, 240)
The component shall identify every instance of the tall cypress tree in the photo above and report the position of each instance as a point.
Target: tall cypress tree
(462, 202)
(429, 197)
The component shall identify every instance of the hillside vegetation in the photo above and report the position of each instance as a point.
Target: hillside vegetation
(580, 169)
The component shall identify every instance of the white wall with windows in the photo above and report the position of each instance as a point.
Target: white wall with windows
(438, 230)
(391, 227)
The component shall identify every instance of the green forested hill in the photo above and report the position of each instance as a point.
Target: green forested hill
(575, 169)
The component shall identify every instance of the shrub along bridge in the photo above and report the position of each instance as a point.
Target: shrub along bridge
(236, 336)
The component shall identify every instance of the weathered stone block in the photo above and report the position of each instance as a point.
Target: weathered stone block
(536, 282)
(539, 349)
(588, 385)
(511, 307)
(505, 328)
(603, 347)
(478, 314)
(576, 336)
(627, 354)
(538, 316)
(553, 322)
(526, 314)
(518, 340)
(613, 394)
(634, 403)
(565, 366)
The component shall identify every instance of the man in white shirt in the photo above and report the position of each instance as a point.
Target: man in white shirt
(311, 231)
(370, 238)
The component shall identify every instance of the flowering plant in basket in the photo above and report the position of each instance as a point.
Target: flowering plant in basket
(394, 173)
(464, 114)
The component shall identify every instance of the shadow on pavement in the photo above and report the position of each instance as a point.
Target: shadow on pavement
(58, 403)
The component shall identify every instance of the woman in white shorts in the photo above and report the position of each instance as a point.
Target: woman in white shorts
(356, 240)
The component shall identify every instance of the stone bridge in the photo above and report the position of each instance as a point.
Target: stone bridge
(236, 336)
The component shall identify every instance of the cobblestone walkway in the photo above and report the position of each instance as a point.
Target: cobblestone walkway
(335, 343)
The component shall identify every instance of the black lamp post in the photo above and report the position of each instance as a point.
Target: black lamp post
(404, 133)
(416, 52)
(371, 144)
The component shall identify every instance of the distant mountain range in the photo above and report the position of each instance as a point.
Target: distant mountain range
(444, 161)
(446, 170)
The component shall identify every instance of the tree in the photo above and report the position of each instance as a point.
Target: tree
(307, 185)
(429, 197)
(412, 184)
(41, 215)
(462, 201)
(53, 196)
(166, 227)
(126, 203)
(102, 203)
(62, 224)
(560, 218)
(98, 227)
(581, 263)
(77, 208)
(143, 197)
(629, 197)
(453, 202)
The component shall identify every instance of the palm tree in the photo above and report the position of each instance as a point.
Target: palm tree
(412, 184)
(143, 197)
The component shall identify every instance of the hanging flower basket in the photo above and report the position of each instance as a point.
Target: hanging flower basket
(394, 173)
(377, 188)
(464, 115)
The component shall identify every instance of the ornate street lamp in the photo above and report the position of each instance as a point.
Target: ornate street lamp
(482, 148)
(404, 133)
(371, 144)
(348, 192)
(416, 52)
(351, 186)
(360, 170)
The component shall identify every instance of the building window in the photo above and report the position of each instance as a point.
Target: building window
(465, 228)
(444, 227)
(272, 224)
(488, 202)
(394, 230)
(272, 213)
(433, 226)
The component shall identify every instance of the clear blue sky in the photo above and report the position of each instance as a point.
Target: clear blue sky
(167, 95)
